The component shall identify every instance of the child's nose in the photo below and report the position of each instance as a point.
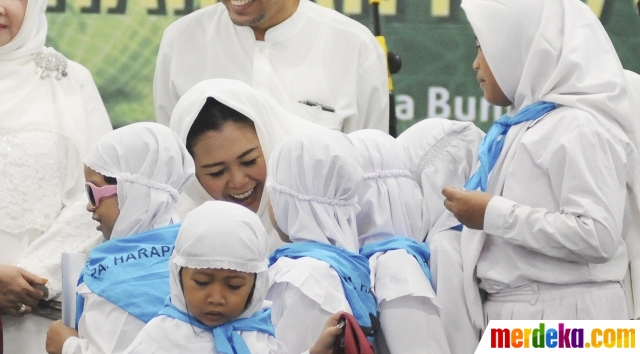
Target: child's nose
(216, 295)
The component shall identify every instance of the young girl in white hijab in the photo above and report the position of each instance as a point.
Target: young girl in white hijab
(125, 281)
(392, 226)
(219, 280)
(555, 223)
(50, 115)
(443, 153)
(312, 184)
(230, 130)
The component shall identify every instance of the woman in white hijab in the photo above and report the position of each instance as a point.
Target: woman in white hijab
(312, 186)
(230, 130)
(443, 153)
(392, 225)
(219, 280)
(125, 281)
(50, 113)
(555, 223)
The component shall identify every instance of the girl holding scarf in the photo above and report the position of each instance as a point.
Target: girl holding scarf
(50, 115)
(312, 181)
(551, 214)
(125, 281)
(218, 282)
(392, 225)
(230, 130)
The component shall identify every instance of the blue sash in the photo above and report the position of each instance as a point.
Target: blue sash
(492, 144)
(225, 337)
(353, 270)
(419, 250)
(131, 272)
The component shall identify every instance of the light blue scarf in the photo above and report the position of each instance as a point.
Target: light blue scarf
(419, 250)
(131, 272)
(492, 144)
(225, 337)
(353, 270)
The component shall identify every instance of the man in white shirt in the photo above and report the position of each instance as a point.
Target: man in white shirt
(315, 62)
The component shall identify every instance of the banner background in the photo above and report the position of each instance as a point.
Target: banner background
(117, 40)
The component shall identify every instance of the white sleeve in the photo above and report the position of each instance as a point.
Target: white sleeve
(98, 123)
(297, 319)
(586, 170)
(372, 92)
(165, 95)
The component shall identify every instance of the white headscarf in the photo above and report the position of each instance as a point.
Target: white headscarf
(221, 235)
(441, 153)
(29, 103)
(391, 201)
(273, 124)
(312, 180)
(558, 51)
(151, 167)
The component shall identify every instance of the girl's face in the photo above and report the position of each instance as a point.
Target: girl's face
(107, 211)
(216, 296)
(230, 165)
(11, 17)
(492, 92)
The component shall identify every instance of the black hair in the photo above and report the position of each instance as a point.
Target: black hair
(213, 116)
(110, 180)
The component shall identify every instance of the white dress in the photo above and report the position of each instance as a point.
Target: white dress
(317, 54)
(36, 228)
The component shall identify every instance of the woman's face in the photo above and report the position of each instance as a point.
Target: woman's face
(107, 211)
(230, 165)
(492, 92)
(216, 296)
(11, 17)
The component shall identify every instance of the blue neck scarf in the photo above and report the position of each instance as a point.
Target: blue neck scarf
(225, 337)
(131, 272)
(353, 270)
(492, 144)
(419, 250)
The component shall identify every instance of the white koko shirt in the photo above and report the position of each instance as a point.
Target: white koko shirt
(317, 54)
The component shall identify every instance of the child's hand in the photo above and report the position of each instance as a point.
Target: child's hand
(57, 334)
(467, 207)
(328, 337)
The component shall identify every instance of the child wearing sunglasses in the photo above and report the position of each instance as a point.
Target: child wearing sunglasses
(134, 176)
(219, 280)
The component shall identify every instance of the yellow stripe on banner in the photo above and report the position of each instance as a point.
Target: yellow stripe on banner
(389, 7)
(352, 7)
(596, 6)
(326, 3)
(52, 3)
(440, 8)
(107, 4)
(205, 3)
(82, 3)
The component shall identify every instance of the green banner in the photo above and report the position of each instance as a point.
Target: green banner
(117, 40)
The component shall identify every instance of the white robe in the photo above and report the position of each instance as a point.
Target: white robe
(317, 54)
(305, 292)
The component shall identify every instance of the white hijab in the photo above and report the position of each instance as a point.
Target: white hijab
(221, 235)
(151, 167)
(558, 51)
(29, 103)
(312, 180)
(273, 124)
(391, 201)
(441, 153)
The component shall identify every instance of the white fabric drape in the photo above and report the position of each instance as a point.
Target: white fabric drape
(557, 51)
(312, 180)
(151, 166)
(273, 124)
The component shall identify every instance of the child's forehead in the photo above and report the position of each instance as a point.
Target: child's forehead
(219, 273)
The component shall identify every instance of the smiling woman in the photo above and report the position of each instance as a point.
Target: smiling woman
(230, 130)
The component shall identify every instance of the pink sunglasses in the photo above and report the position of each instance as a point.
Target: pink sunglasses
(96, 193)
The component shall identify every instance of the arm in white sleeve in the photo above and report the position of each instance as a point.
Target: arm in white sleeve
(586, 170)
(165, 96)
(372, 92)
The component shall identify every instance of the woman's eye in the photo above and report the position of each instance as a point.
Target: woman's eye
(216, 174)
(249, 163)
